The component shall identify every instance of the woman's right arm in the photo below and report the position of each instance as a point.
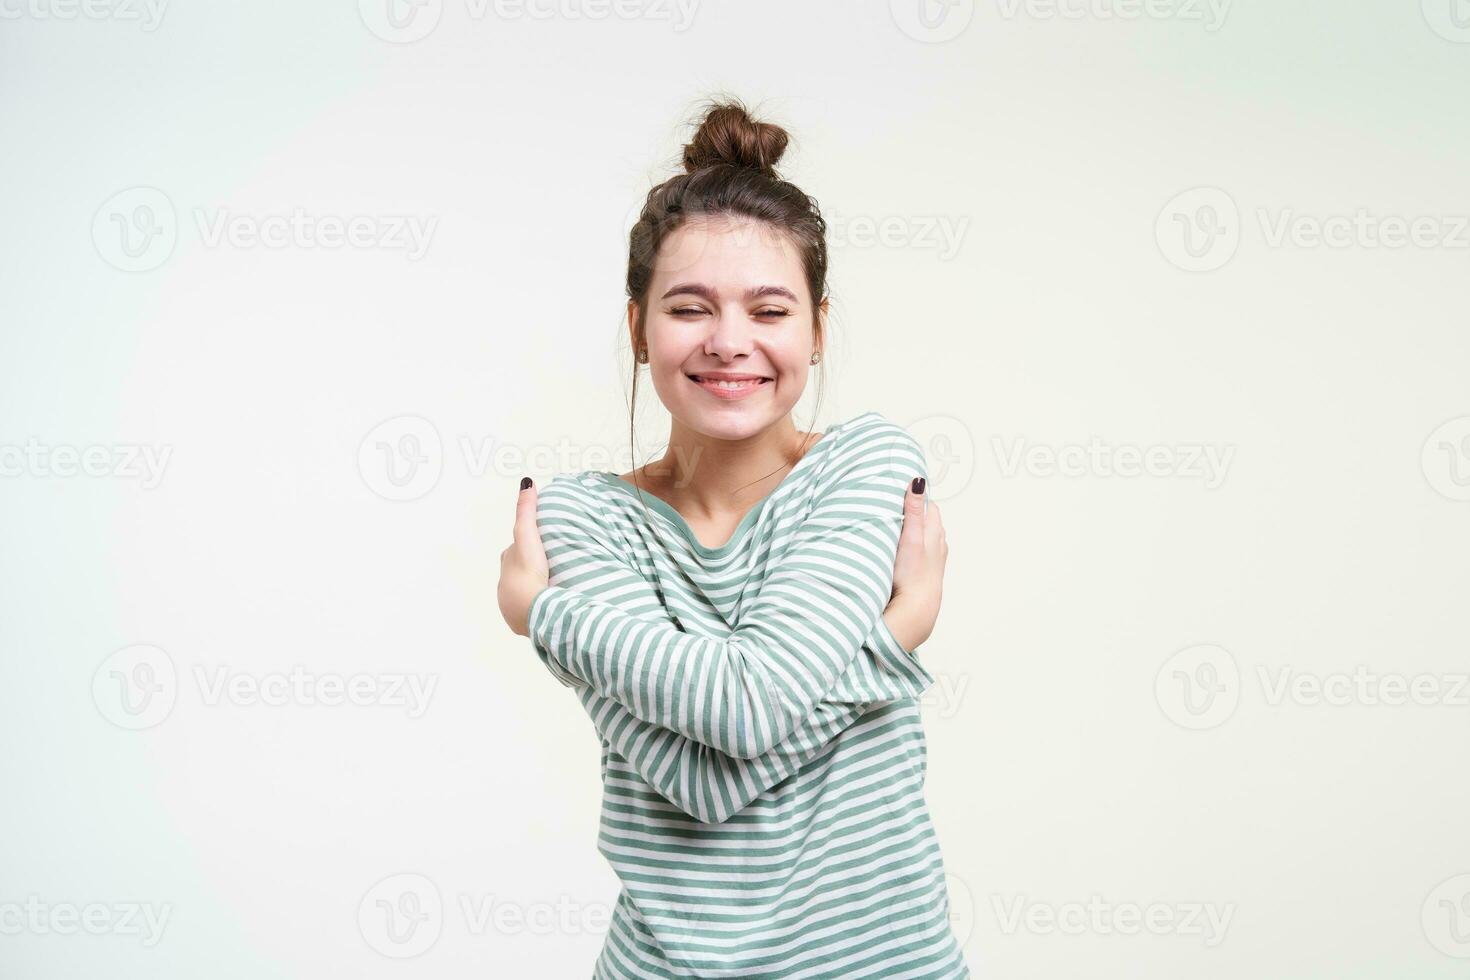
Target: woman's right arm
(711, 786)
(745, 693)
(707, 784)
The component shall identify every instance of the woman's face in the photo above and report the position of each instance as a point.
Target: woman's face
(728, 299)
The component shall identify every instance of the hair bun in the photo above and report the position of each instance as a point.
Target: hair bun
(728, 135)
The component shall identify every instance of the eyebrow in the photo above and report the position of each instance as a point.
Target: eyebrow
(755, 292)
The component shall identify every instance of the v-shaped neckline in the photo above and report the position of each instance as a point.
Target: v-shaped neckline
(663, 507)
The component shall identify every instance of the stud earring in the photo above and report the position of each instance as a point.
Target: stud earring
(643, 355)
(816, 356)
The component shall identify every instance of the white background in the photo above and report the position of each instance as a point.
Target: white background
(1074, 756)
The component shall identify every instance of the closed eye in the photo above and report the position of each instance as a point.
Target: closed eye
(689, 311)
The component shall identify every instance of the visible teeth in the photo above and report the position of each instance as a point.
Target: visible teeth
(728, 384)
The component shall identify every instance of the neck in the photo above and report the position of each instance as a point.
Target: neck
(709, 477)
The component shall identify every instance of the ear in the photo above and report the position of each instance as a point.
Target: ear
(633, 326)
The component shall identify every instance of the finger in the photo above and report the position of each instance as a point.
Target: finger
(526, 511)
(913, 502)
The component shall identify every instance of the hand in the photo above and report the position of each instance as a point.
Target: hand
(523, 568)
(918, 572)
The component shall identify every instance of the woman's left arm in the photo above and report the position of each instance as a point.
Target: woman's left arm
(701, 781)
(705, 783)
(745, 693)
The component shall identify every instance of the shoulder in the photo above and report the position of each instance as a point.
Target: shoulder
(874, 446)
(571, 500)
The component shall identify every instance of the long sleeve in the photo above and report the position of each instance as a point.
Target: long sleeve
(746, 693)
(711, 786)
(701, 781)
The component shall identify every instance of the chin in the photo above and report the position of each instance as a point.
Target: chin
(730, 422)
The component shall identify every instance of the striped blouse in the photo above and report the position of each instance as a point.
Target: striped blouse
(763, 761)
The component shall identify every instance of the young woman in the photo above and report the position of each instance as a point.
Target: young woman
(739, 618)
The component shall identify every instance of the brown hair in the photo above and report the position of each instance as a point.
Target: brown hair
(729, 169)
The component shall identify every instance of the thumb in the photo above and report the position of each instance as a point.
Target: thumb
(913, 509)
(525, 527)
(913, 499)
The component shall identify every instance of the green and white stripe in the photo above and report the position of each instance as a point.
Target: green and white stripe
(763, 760)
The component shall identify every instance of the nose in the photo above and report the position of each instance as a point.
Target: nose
(730, 335)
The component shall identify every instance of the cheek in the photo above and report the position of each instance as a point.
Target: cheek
(793, 364)
(792, 378)
(676, 349)
(673, 386)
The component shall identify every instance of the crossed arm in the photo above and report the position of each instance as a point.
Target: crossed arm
(712, 722)
(711, 786)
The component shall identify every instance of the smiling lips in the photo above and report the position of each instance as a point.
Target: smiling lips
(729, 384)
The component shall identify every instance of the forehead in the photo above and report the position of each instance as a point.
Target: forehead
(728, 255)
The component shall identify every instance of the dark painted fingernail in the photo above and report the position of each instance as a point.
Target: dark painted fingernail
(525, 482)
(918, 484)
